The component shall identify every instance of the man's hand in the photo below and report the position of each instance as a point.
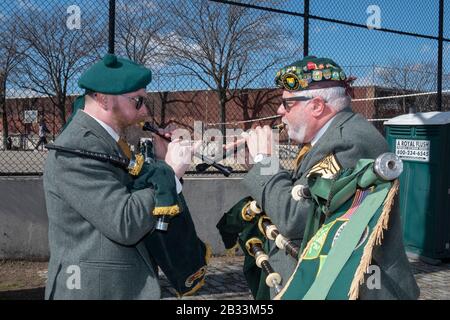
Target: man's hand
(259, 141)
(179, 155)
(160, 144)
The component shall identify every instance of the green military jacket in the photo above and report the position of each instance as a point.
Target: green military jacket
(95, 223)
(349, 138)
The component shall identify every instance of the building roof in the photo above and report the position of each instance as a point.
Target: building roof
(420, 118)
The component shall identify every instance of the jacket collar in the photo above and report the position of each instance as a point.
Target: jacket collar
(339, 120)
(84, 120)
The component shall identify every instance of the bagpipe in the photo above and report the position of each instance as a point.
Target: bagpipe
(225, 170)
(354, 206)
(174, 244)
(247, 226)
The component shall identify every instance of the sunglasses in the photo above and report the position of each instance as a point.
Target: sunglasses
(139, 101)
(287, 102)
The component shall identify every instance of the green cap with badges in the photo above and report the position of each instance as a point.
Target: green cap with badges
(311, 73)
(113, 75)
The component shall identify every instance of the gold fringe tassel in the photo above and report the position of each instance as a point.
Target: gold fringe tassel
(138, 164)
(166, 211)
(208, 253)
(375, 240)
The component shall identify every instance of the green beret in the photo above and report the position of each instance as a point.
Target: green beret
(311, 73)
(113, 75)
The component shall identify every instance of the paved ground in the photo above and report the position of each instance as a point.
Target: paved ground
(25, 280)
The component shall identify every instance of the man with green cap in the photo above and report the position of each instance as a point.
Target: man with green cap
(317, 112)
(96, 223)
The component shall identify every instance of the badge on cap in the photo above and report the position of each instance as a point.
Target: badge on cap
(307, 77)
(291, 82)
(327, 74)
(317, 75)
(304, 83)
(311, 65)
(335, 75)
(292, 69)
(342, 75)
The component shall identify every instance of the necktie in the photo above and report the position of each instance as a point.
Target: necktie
(124, 147)
(303, 151)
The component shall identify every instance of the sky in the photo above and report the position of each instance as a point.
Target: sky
(358, 50)
(351, 46)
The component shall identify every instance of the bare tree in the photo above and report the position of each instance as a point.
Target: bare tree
(55, 55)
(139, 32)
(10, 56)
(407, 78)
(167, 99)
(225, 47)
(140, 35)
(254, 102)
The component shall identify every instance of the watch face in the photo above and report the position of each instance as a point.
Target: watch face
(258, 158)
(262, 158)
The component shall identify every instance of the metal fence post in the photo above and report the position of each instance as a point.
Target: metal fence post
(440, 56)
(306, 28)
(112, 25)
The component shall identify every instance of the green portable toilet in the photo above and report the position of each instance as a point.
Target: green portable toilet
(422, 141)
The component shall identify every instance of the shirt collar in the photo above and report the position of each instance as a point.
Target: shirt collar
(322, 131)
(108, 129)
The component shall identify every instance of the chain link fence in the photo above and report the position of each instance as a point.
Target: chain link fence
(213, 62)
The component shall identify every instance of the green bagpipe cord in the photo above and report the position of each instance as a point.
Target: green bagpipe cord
(233, 229)
(356, 205)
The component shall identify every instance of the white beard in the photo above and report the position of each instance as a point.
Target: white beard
(297, 133)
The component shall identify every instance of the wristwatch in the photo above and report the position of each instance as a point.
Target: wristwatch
(262, 158)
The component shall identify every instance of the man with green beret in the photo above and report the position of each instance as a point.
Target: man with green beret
(316, 108)
(96, 223)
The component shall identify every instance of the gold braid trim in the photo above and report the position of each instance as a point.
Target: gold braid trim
(260, 225)
(208, 253)
(232, 251)
(138, 163)
(166, 211)
(375, 240)
(201, 283)
(244, 214)
(250, 243)
(191, 292)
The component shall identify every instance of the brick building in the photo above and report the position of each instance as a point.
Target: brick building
(184, 107)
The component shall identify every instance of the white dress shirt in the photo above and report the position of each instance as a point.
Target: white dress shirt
(322, 131)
